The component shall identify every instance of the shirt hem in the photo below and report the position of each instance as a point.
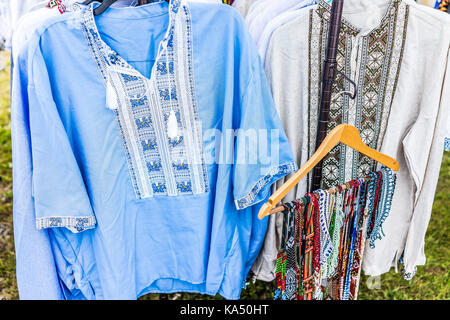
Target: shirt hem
(180, 290)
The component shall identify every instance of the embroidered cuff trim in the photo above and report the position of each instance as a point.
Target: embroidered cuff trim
(272, 176)
(408, 276)
(74, 224)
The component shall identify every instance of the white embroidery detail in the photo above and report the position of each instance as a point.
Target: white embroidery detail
(158, 117)
(273, 175)
(326, 244)
(375, 74)
(74, 224)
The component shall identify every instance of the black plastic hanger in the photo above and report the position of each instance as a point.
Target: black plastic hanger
(107, 3)
(90, 1)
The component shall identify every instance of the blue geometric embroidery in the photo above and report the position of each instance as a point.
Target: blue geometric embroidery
(175, 5)
(94, 34)
(273, 175)
(55, 222)
(75, 224)
(185, 186)
(144, 122)
(150, 144)
(285, 169)
(162, 68)
(154, 166)
(181, 166)
(139, 102)
(81, 224)
(159, 187)
(113, 58)
(165, 94)
(170, 41)
(175, 141)
(128, 77)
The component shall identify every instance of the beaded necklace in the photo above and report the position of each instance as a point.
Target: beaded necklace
(389, 181)
(325, 240)
(336, 227)
(301, 209)
(288, 269)
(331, 218)
(359, 251)
(342, 248)
(354, 225)
(310, 254)
(376, 202)
(324, 235)
(348, 239)
(318, 294)
(292, 269)
(341, 245)
(281, 263)
(333, 261)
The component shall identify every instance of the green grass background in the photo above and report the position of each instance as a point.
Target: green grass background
(431, 281)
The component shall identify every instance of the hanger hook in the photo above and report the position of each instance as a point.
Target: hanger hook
(351, 94)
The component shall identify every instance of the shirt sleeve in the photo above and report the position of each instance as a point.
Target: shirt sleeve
(58, 190)
(447, 135)
(262, 153)
(423, 152)
(35, 264)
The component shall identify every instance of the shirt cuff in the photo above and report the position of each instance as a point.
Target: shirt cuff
(274, 174)
(74, 224)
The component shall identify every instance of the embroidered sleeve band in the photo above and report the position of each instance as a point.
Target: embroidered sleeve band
(272, 176)
(74, 224)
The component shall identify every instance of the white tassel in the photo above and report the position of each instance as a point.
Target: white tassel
(111, 97)
(172, 126)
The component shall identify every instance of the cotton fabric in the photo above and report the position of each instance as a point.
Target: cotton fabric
(243, 6)
(275, 23)
(415, 128)
(128, 247)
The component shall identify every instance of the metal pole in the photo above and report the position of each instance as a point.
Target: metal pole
(329, 76)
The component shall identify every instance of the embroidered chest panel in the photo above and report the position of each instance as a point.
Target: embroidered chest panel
(160, 162)
(378, 58)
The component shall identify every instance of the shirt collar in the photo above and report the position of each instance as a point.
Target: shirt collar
(324, 11)
(142, 11)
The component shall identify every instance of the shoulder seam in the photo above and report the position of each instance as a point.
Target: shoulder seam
(38, 36)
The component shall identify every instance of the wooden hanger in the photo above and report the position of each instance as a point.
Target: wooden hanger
(344, 133)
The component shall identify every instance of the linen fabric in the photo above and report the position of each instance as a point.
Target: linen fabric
(411, 97)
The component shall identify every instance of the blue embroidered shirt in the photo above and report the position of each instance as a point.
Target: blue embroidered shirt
(152, 141)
